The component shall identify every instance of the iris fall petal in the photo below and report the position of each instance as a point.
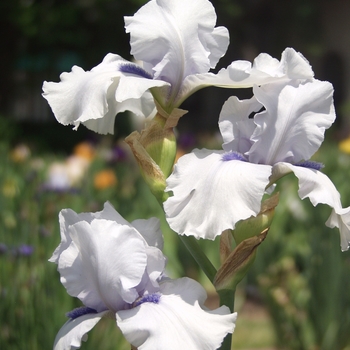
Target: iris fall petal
(319, 189)
(95, 97)
(211, 194)
(178, 321)
(74, 331)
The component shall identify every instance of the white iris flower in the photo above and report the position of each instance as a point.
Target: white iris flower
(116, 269)
(273, 133)
(177, 43)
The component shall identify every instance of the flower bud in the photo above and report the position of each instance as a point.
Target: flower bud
(238, 262)
(254, 225)
(155, 150)
(248, 235)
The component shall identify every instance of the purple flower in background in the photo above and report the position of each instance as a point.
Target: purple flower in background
(3, 248)
(25, 250)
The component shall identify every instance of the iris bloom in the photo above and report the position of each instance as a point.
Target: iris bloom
(273, 133)
(116, 269)
(176, 48)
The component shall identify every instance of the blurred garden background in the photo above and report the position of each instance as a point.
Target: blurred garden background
(296, 296)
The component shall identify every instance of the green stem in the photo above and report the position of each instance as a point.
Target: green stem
(194, 249)
(199, 256)
(227, 297)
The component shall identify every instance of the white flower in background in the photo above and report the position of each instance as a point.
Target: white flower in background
(177, 43)
(116, 269)
(65, 175)
(273, 133)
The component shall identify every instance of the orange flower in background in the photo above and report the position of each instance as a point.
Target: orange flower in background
(344, 145)
(105, 179)
(84, 150)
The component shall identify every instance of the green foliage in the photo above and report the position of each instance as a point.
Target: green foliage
(33, 302)
(300, 269)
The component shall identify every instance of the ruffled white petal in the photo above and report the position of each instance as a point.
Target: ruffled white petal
(178, 321)
(68, 217)
(156, 262)
(242, 74)
(341, 219)
(150, 231)
(293, 65)
(292, 127)
(211, 195)
(95, 97)
(74, 331)
(235, 126)
(103, 264)
(174, 42)
(320, 189)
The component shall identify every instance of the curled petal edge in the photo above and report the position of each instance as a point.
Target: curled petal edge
(74, 331)
(320, 190)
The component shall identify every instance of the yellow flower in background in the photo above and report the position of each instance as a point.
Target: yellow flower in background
(105, 179)
(20, 153)
(84, 150)
(344, 145)
(10, 188)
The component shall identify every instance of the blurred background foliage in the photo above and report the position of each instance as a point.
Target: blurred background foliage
(300, 276)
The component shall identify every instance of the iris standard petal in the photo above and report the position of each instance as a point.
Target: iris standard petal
(235, 125)
(242, 74)
(177, 321)
(175, 43)
(74, 331)
(103, 264)
(320, 189)
(293, 65)
(68, 217)
(292, 127)
(150, 231)
(156, 262)
(211, 194)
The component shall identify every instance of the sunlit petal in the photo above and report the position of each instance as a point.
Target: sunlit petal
(292, 127)
(177, 321)
(174, 42)
(320, 189)
(211, 194)
(242, 74)
(89, 97)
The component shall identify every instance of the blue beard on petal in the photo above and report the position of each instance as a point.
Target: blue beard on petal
(148, 298)
(135, 70)
(80, 311)
(310, 165)
(233, 156)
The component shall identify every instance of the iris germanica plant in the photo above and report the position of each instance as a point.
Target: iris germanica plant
(266, 137)
(117, 268)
